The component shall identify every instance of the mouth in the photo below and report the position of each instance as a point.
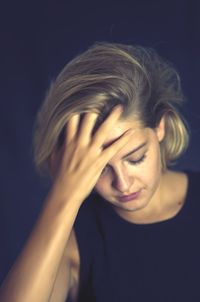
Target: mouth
(130, 197)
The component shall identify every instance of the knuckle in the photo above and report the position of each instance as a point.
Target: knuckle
(94, 151)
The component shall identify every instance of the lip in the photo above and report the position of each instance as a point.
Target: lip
(130, 197)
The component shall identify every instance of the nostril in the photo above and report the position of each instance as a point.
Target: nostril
(121, 184)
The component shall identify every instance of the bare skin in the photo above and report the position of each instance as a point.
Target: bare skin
(46, 269)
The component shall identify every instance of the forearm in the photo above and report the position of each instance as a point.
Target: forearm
(33, 275)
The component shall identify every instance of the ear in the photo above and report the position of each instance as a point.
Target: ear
(160, 129)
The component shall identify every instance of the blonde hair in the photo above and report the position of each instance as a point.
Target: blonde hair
(105, 75)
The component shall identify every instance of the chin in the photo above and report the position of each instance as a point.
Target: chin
(131, 206)
(135, 208)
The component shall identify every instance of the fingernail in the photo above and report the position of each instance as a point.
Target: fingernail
(119, 108)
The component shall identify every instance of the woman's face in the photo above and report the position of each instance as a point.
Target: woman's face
(135, 170)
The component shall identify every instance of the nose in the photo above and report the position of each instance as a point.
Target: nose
(122, 181)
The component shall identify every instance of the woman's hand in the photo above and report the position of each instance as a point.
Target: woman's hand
(76, 167)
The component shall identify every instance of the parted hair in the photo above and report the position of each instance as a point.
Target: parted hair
(103, 76)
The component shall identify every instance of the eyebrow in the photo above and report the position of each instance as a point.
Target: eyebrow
(132, 151)
(136, 149)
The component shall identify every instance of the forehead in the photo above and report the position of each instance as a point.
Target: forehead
(121, 127)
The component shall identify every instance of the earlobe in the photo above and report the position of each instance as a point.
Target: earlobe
(160, 129)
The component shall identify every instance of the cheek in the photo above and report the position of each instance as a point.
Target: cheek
(100, 186)
(155, 167)
(150, 172)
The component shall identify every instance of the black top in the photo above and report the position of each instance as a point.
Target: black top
(122, 261)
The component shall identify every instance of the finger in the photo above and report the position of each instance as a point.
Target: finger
(87, 126)
(114, 148)
(106, 126)
(72, 127)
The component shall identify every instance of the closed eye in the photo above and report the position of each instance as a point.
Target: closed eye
(138, 161)
(132, 162)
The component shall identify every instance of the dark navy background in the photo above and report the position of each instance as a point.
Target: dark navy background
(37, 39)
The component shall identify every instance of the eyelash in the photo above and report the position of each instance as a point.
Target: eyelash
(132, 162)
(137, 162)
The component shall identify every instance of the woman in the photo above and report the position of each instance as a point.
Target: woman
(117, 224)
